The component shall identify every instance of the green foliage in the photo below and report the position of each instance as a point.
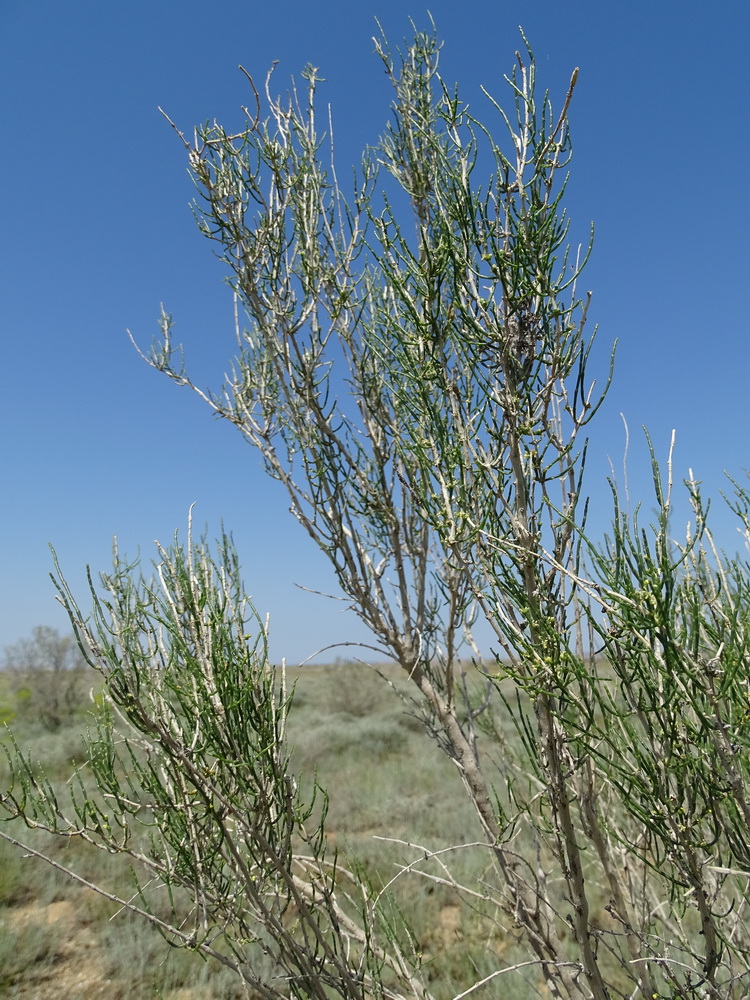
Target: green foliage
(414, 794)
(417, 381)
(187, 772)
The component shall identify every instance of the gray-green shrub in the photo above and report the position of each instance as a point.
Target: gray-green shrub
(420, 390)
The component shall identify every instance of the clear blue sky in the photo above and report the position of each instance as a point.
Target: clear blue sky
(97, 232)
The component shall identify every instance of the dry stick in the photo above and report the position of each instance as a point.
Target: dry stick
(508, 968)
(255, 121)
(618, 898)
(525, 904)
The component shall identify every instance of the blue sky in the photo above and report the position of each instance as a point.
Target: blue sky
(97, 232)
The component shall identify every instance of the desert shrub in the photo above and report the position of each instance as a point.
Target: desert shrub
(420, 388)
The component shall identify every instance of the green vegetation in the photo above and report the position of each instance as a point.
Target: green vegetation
(345, 717)
(571, 819)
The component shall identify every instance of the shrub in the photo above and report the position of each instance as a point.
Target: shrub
(604, 755)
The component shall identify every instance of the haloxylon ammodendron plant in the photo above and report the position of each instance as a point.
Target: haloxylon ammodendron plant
(413, 370)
